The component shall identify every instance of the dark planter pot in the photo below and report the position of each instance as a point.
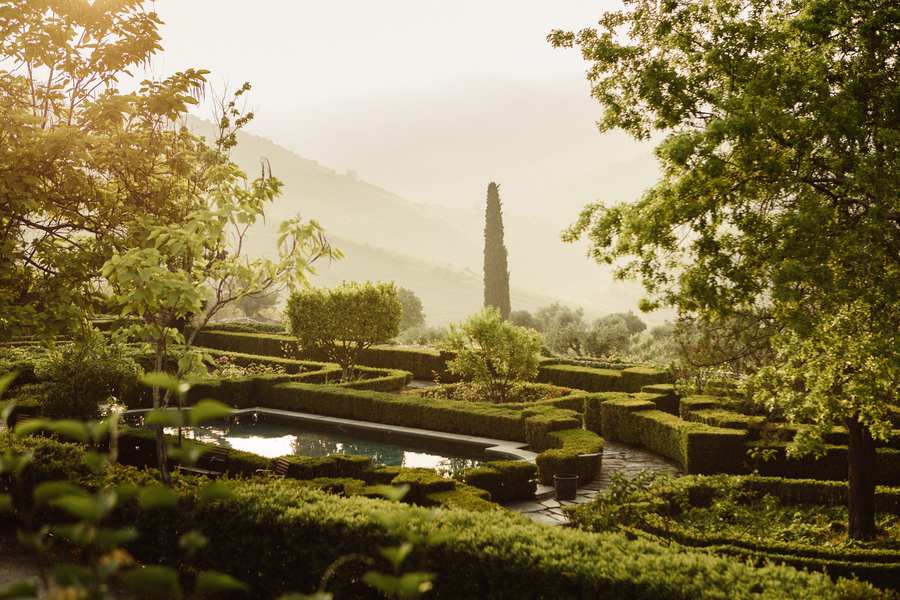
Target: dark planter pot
(566, 486)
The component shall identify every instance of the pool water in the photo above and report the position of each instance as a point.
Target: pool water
(273, 439)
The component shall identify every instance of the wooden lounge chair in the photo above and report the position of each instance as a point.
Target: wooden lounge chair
(214, 463)
(279, 468)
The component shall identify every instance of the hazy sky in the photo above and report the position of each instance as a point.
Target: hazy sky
(430, 99)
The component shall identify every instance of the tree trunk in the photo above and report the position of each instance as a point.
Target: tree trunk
(861, 475)
(161, 458)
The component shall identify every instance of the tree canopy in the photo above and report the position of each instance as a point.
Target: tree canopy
(778, 201)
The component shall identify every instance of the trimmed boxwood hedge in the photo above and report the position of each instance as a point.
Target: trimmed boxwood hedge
(473, 555)
(698, 448)
(593, 379)
(281, 535)
(573, 452)
(669, 498)
(426, 363)
(505, 480)
(423, 363)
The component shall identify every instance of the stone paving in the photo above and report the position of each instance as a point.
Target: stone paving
(617, 458)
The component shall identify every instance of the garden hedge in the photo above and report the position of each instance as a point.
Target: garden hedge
(423, 363)
(573, 452)
(473, 555)
(876, 565)
(505, 480)
(426, 363)
(281, 535)
(698, 448)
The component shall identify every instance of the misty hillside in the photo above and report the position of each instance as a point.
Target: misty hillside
(434, 250)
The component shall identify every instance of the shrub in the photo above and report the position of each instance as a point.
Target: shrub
(488, 555)
(342, 322)
(85, 374)
(749, 517)
(505, 480)
(493, 352)
(574, 451)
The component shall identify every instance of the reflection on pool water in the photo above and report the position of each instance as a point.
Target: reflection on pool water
(272, 439)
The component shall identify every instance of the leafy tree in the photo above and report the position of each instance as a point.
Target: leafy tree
(778, 195)
(254, 305)
(613, 334)
(496, 269)
(523, 318)
(80, 162)
(412, 315)
(493, 352)
(564, 328)
(188, 268)
(341, 322)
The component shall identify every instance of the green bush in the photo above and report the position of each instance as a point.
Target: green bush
(574, 452)
(86, 374)
(698, 448)
(753, 518)
(505, 480)
(281, 535)
(343, 321)
(246, 326)
(493, 353)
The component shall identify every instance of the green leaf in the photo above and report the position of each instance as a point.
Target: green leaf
(68, 428)
(396, 554)
(209, 410)
(87, 508)
(153, 582)
(50, 490)
(408, 585)
(216, 490)
(7, 411)
(188, 454)
(20, 589)
(165, 381)
(15, 463)
(5, 381)
(192, 542)
(107, 539)
(313, 596)
(30, 426)
(213, 582)
(157, 496)
(6, 503)
(164, 417)
(95, 461)
(395, 493)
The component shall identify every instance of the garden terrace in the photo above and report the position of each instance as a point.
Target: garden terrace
(426, 363)
(542, 425)
(706, 434)
(492, 554)
(801, 523)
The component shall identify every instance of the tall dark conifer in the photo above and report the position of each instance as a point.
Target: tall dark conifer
(496, 269)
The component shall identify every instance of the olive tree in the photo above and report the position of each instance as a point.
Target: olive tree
(493, 352)
(778, 193)
(341, 322)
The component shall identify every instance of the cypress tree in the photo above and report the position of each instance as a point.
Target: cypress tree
(496, 269)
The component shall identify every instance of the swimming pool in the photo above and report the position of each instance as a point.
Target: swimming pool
(273, 435)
